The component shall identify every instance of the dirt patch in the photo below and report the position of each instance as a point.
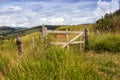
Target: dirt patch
(60, 36)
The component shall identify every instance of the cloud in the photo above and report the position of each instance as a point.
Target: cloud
(29, 14)
(10, 8)
(57, 21)
(106, 7)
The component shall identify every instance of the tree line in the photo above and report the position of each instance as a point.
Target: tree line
(109, 22)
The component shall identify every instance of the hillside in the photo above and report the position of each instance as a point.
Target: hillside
(76, 27)
(6, 29)
(46, 61)
(52, 27)
(9, 32)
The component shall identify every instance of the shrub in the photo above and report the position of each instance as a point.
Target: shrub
(106, 42)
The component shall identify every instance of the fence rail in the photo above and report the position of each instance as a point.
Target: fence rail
(83, 34)
(64, 32)
(62, 43)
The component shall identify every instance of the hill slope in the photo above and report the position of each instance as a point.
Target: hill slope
(6, 29)
(9, 32)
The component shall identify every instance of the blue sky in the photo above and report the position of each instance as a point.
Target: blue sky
(29, 13)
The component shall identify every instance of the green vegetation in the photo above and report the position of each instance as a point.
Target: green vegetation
(110, 22)
(10, 33)
(76, 27)
(47, 62)
(109, 42)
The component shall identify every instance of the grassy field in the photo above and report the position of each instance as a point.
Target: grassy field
(48, 62)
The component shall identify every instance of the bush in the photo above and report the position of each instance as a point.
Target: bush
(106, 42)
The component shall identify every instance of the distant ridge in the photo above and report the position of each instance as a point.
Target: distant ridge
(8, 32)
(6, 28)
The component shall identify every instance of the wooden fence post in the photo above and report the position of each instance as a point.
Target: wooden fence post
(19, 45)
(67, 36)
(86, 39)
(44, 31)
(33, 43)
(81, 45)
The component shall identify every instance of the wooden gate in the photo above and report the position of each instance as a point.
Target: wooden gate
(83, 34)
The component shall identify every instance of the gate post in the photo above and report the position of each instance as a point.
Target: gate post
(86, 39)
(44, 31)
(33, 43)
(19, 45)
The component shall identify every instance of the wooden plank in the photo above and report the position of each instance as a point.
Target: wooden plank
(73, 39)
(62, 43)
(58, 43)
(77, 42)
(67, 36)
(65, 32)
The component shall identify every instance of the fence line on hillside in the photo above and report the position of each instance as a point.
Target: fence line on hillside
(75, 40)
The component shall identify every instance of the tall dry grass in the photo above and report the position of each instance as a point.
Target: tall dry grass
(47, 62)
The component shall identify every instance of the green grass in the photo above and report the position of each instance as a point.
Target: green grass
(58, 64)
(47, 62)
(105, 42)
(77, 27)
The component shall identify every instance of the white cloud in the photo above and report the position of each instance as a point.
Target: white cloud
(15, 8)
(28, 14)
(43, 19)
(106, 7)
(57, 21)
(12, 20)
(10, 8)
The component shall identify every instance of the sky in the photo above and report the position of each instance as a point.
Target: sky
(29, 13)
